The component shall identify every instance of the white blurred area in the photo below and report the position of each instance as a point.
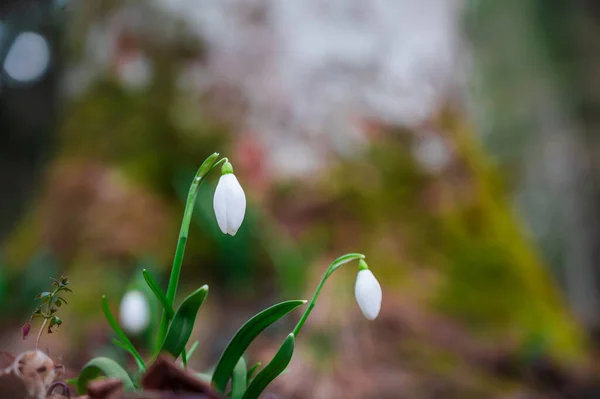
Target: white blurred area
(311, 74)
(28, 58)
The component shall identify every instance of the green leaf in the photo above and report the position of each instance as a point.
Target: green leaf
(120, 344)
(42, 295)
(252, 371)
(272, 370)
(343, 260)
(62, 299)
(128, 346)
(238, 379)
(245, 335)
(55, 321)
(159, 293)
(181, 327)
(162, 298)
(102, 366)
(192, 349)
(204, 376)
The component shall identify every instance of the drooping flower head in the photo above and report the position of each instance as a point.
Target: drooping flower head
(367, 291)
(229, 201)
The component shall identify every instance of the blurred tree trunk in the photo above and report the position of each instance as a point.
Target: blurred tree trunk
(536, 60)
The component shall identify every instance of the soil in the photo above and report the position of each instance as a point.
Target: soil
(163, 380)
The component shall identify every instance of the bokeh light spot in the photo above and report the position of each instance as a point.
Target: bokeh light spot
(28, 57)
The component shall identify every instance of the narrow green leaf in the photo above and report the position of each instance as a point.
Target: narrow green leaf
(181, 327)
(252, 371)
(204, 377)
(184, 358)
(102, 366)
(120, 344)
(245, 335)
(272, 370)
(62, 299)
(159, 293)
(162, 299)
(128, 346)
(238, 379)
(192, 349)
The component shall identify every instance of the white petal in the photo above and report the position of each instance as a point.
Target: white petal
(229, 204)
(134, 312)
(368, 294)
(220, 206)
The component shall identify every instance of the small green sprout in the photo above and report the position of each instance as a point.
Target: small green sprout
(51, 302)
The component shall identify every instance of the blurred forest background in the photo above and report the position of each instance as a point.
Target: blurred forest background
(453, 142)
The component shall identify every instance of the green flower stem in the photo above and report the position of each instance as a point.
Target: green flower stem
(332, 267)
(311, 305)
(207, 166)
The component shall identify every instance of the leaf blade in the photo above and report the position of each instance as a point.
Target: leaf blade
(192, 349)
(121, 335)
(272, 370)
(180, 330)
(162, 299)
(245, 335)
(159, 293)
(252, 370)
(238, 379)
(102, 366)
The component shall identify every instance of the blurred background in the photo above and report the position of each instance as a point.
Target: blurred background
(453, 142)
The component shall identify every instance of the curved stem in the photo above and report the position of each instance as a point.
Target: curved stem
(207, 166)
(37, 341)
(332, 267)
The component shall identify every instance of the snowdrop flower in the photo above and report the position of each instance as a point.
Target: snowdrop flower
(134, 312)
(229, 201)
(367, 291)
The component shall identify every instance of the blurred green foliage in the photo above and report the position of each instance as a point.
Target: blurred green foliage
(461, 227)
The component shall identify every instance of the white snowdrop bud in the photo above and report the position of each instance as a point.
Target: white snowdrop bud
(229, 201)
(367, 291)
(134, 312)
